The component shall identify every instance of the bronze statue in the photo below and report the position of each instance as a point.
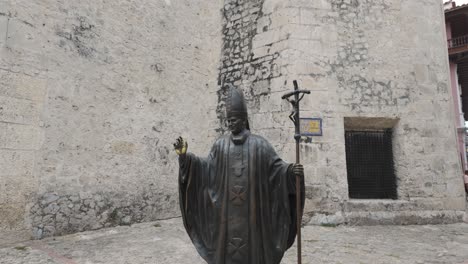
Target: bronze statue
(238, 204)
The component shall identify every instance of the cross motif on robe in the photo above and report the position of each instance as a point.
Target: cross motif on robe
(238, 195)
(235, 246)
(237, 169)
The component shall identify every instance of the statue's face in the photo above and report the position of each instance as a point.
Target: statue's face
(235, 125)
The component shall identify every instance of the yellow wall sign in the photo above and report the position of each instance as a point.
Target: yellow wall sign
(311, 126)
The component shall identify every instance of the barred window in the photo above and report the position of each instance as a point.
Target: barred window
(369, 161)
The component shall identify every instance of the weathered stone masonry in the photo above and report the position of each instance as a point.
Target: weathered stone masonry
(242, 21)
(92, 94)
(56, 215)
(368, 62)
(360, 91)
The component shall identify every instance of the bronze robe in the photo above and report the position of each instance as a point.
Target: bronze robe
(250, 223)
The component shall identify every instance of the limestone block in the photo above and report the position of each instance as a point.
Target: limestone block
(261, 87)
(304, 32)
(3, 134)
(310, 154)
(32, 88)
(284, 17)
(288, 153)
(263, 23)
(12, 216)
(301, 67)
(317, 83)
(272, 134)
(10, 184)
(328, 34)
(123, 147)
(422, 107)
(310, 174)
(280, 119)
(4, 20)
(315, 101)
(268, 37)
(320, 175)
(307, 47)
(262, 51)
(318, 4)
(262, 120)
(271, 6)
(429, 87)
(272, 103)
(23, 36)
(326, 219)
(456, 203)
(393, 4)
(23, 137)
(16, 162)
(7, 77)
(421, 73)
(19, 111)
(440, 189)
(310, 17)
(455, 187)
(279, 84)
(274, 48)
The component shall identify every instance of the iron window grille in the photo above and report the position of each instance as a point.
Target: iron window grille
(370, 167)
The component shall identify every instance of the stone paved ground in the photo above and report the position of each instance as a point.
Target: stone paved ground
(165, 242)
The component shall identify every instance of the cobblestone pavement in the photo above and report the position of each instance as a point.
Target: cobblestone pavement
(165, 242)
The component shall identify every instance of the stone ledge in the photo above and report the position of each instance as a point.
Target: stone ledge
(390, 218)
(415, 204)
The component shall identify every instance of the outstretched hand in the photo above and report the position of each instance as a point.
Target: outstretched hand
(180, 146)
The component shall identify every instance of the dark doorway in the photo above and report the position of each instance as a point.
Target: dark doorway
(369, 161)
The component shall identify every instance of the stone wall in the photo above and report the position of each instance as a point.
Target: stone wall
(365, 61)
(243, 21)
(92, 96)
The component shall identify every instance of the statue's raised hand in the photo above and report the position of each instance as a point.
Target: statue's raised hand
(180, 146)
